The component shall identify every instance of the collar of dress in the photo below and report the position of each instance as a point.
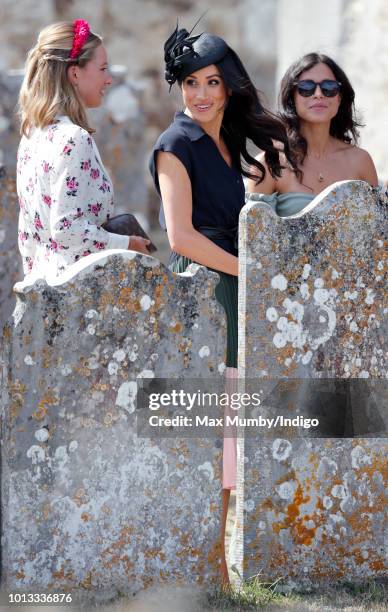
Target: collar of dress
(191, 129)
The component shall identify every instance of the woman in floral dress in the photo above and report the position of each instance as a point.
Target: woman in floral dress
(65, 193)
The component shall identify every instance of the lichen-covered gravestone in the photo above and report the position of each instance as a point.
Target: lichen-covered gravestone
(312, 307)
(88, 506)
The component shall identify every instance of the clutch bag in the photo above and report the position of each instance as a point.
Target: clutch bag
(127, 225)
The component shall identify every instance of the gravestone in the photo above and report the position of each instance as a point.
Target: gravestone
(88, 506)
(311, 310)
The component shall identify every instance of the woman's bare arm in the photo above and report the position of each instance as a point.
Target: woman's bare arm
(367, 168)
(175, 188)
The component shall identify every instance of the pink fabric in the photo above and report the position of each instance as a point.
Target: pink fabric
(229, 471)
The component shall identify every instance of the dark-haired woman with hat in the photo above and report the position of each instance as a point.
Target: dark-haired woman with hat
(317, 107)
(197, 165)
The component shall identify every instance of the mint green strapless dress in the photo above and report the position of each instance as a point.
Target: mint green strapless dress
(284, 204)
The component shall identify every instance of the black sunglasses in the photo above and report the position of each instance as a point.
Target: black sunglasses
(328, 87)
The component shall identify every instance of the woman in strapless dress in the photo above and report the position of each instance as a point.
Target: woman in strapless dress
(317, 106)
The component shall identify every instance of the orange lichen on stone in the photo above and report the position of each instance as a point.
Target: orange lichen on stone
(50, 399)
(296, 524)
(61, 575)
(214, 555)
(87, 582)
(285, 352)
(46, 511)
(153, 553)
(17, 391)
(125, 538)
(128, 564)
(80, 497)
(378, 565)
(290, 475)
(378, 464)
(280, 558)
(106, 299)
(46, 357)
(176, 328)
(267, 504)
(125, 299)
(147, 581)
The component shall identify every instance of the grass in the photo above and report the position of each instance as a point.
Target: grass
(250, 595)
(255, 595)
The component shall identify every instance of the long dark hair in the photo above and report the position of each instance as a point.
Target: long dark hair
(245, 118)
(344, 126)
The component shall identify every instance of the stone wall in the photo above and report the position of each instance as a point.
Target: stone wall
(312, 311)
(10, 260)
(87, 504)
(365, 52)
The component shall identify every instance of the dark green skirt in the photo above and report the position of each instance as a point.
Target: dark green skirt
(226, 293)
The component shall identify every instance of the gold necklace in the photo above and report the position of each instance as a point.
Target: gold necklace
(322, 157)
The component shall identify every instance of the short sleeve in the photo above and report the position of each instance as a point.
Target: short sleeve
(178, 145)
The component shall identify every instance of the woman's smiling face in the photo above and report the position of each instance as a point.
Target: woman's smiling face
(92, 80)
(204, 94)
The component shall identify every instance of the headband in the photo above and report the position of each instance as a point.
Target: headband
(81, 34)
(184, 54)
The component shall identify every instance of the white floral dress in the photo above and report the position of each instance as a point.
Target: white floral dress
(65, 194)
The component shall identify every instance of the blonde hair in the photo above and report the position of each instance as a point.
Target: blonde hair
(46, 90)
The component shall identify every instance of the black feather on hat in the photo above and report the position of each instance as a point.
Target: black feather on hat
(184, 55)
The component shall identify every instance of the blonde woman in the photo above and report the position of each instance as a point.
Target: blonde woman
(65, 193)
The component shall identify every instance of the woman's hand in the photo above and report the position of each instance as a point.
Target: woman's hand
(137, 243)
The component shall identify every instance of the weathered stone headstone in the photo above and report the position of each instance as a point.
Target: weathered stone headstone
(88, 506)
(312, 307)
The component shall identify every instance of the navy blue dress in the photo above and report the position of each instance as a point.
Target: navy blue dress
(218, 197)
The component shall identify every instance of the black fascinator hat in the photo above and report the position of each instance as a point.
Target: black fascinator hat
(184, 54)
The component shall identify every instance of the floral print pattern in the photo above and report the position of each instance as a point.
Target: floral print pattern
(65, 195)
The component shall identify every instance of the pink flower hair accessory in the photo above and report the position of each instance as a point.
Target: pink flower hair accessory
(81, 33)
